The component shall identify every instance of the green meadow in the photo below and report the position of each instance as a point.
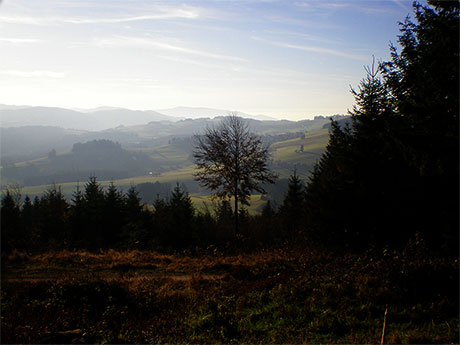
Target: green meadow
(176, 167)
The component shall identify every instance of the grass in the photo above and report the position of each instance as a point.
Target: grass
(179, 169)
(289, 150)
(184, 175)
(180, 175)
(283, 151)
(275, 296)
(166, 156)
(201, 202)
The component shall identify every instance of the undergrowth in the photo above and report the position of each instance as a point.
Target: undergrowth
(277, 296)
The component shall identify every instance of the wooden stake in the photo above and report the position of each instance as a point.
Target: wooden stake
(384, 323)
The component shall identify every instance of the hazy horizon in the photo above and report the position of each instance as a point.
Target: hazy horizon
(287, 60)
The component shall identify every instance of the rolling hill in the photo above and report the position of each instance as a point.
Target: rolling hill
(166, 164)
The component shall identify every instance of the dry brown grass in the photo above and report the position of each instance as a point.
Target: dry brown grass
(273, 296)
(133, 260)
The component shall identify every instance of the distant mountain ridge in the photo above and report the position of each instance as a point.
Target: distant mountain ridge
(72, 119)
(103, 118)
(200, 112)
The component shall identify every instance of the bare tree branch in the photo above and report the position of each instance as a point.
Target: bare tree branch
(231, 161)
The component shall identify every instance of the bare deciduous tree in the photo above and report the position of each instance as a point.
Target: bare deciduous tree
(232, 161)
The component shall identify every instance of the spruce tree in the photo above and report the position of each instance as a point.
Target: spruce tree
(267, 210)
(394, 172)
(54, 214)
(136, 230)
(27, 212)
(423, 78)
(10, 223)
(293, 207)
(113, 214)
(182, 216)
(91, 235)
(76, 217)
(132, 205)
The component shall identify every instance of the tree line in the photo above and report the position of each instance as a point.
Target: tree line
(98, 218)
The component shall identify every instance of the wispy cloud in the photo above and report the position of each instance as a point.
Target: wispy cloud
(18, 40)
(367, 7)
(33, 74)
(178, 13)
(314, 49)
(157, 44)
(321, 50)
(153, 13)
(403, 4)
(302, 35)
(194, 62)
(29, 20)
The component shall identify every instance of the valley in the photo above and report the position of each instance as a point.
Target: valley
(35, 158)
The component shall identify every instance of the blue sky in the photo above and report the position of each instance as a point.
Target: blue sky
(286, 59)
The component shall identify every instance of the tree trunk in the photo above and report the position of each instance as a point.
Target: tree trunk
(236, 210)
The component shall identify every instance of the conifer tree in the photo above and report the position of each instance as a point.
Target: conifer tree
(113, 214)
(391, 173)
(92, 232)
(136, 229)
(224, 214)
(132, 204)
(423, 78)
(76, 216)
(54, 214)
(267, 210)
(27, 212)
(28, 216)
(10, 223)
(293, 208)
(182, 216)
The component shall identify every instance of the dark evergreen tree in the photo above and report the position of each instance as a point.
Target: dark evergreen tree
(224, 212)
(27, 212)
(161, 219)
(205, 229)
(10, 223)
(391, 174)
(53, 216)
(136, 230)
(36, 203)
(267, 210)
(269, 225)
(28, 216)
(76, 217)
(182, 217)
(132, 204)
(293, 208)
(327, 192)
(91, 234)
(423, 79)
(113, 215)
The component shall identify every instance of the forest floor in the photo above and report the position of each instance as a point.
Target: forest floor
(273, 296)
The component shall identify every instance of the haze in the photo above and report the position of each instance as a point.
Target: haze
(290, 60)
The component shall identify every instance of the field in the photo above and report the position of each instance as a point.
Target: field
(275, 296)
(313, 146)
(179, 169)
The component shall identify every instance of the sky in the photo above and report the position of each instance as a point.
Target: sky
(286, 59)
